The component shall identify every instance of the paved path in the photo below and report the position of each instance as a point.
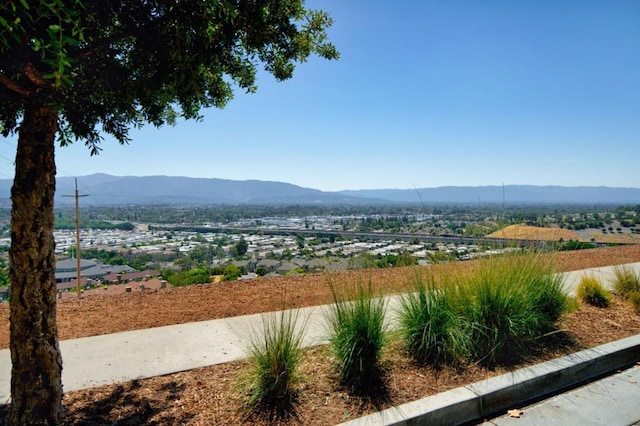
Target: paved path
(99, 360)
(614, 400)
(604, 274)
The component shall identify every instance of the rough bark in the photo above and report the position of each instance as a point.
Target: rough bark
(36, 385)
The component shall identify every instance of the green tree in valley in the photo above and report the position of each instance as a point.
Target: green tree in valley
(300, 241)
(75, 70)
(241, 247)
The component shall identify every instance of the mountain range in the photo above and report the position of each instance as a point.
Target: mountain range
(104, 189)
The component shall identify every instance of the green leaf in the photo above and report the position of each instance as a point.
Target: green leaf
(54, 28)
(70, 40)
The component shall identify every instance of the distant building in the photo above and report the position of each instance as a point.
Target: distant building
(286, 268)
(123, 278)
(66, 270)
(268, 265)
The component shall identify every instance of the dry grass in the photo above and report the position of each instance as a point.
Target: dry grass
(525, 232)
(615, 238)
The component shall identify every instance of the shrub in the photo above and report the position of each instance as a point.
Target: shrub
(548, 298)
(634, 298)
(430, 325)
(576, 245)
(275, 357)
(591, 291)
(507, 301)
(573, 305)
(626, 281)
(495, 316)
(231, 272)
(184, 278)
(357, 336)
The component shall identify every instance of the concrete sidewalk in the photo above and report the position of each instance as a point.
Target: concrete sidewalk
(604, 274)
(119, 357)
(473, 403)
(610, 401)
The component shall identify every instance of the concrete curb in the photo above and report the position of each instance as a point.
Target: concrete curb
(479, 400)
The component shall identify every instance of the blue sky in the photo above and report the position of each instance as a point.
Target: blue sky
(425, 94)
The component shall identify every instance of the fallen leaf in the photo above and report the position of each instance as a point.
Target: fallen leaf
(515, 413)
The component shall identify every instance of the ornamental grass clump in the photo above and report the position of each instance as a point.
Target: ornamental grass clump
(431, 326)
(591, 291)
(357, 335)
(634, 298)
(548, 296)
(626, 281)
(273, 373)
(508, 301)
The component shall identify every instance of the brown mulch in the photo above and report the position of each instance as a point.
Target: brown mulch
(212, 395)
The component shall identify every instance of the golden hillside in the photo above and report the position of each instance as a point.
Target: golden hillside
(525, 232)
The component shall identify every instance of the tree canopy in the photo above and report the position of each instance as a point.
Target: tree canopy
(77, 70)
(107, 66)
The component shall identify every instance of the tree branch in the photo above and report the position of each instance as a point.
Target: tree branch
(35, 76)
(102, 44)
(105, 42)
(14, 87)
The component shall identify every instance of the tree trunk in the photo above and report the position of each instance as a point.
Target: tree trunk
(36, 385)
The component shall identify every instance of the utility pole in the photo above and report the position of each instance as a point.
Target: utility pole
(76, 196)
(503, 202)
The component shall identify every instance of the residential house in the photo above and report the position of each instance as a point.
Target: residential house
(268, 265)
(246, 265)
(286, 268)
(123, 278)
(67, 273)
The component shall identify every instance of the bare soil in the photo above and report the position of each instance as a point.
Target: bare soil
(213, 395)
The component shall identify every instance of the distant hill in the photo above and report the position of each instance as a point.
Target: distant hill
(104, 189)
(524, 232)
(107, 189)
(510, 194)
